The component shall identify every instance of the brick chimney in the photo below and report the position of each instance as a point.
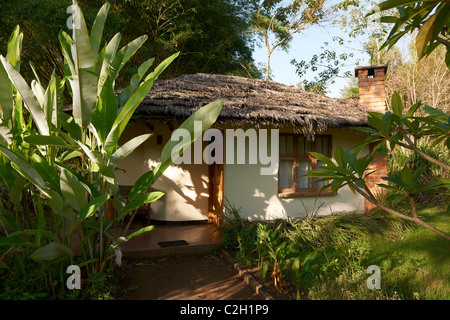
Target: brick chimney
(371, 87)
(371, 80)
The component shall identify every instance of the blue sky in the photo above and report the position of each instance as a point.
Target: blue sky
(303, 47)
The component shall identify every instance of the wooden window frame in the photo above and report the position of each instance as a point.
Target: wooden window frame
(296, 157)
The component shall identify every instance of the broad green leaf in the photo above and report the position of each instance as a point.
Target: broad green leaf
(51, 251)
(339, 156)
(323, 158)
(442, 19)
(397, 104)
(6, 96)
(413, 109)
(124, 54)
(141, 185)
(55, 202)
(390, 4)
(128, 148)
(14, 48)
(106, 111)
(110, 52)
(6, 134)
(97, 28)
(406, 175)
(28, 97)
(45, 140)
(7, 220)
(47, 171)
(435, 112)
(134, 82)
(139, 232)
(84, 80)
(70, 126)
(87, 212)
(73, 190)
(204, 117)
(161, 67)
(89, 187)
(424, 35)
(140, 201)
(50, 105)
(131, 105)
(84, 88)
(66, 44)
(12, 241)
(25, 169)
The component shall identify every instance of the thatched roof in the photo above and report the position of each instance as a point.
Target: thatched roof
(253, 101)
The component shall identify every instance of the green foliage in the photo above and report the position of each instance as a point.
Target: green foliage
(331, 64)
(189, 26)
(431, 18)
(397, 128)
(46, 202)
(306, 252)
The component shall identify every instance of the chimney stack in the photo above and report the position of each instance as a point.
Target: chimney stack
(371, 81)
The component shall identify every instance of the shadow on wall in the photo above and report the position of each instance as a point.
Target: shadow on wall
(264, 203)
(186, 195)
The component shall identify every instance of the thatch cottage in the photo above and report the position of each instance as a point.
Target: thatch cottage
(305, 122)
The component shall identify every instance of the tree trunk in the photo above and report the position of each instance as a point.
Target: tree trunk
(268, 65)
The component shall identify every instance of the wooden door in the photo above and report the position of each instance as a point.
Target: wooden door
(215, 194)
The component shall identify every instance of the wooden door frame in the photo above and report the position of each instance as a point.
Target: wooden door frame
(215, 217)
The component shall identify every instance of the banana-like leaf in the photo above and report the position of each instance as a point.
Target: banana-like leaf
(161, 67)
(206, 115)
(73, 190)
(47, 171)
(14, 49)
(51, 251)
(139, 232)
(6, 96)
(89, 187)
(84, 80)
(12, 241)
(124, 54)
(7, 220)
(424, 35)
(138, 202)
(106, 111)
(87, 212)
(66, 44)
(5, 133)
(46, 141)
(130, 106)
(134, 82)
(28, 96)
(97, 28)
(70, 126)
(25, 169)
(109, 54)
(128, 148)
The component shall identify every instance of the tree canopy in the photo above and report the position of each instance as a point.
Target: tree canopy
(210, 35)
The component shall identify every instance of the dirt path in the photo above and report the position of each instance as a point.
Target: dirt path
(184, 277)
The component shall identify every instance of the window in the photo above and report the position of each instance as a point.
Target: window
(295, 161)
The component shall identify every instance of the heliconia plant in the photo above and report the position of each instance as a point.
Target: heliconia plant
(49, 200)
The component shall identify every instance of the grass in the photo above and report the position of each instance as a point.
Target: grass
(414, 262)
(417, 264)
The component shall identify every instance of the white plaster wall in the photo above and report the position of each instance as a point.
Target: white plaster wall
(257, 195)
(186, 186)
